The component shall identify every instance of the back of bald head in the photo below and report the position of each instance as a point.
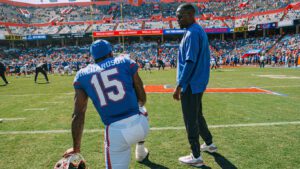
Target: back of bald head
(187, 7)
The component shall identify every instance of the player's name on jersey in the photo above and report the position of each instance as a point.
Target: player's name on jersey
(113, 62)
(93, 68)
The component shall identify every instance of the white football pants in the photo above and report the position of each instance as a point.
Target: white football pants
(119, 136)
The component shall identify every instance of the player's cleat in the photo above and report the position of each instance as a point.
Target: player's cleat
(74, 161)
(209, 148)
(191, 160)
(140, 152)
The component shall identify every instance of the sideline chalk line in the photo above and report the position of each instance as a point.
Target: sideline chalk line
(154, 128)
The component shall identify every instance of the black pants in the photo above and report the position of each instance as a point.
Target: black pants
(37, 70)
(2, 74)
(262, 64)
(194, 120)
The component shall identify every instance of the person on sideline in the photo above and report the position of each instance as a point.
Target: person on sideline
(2, 73)
(193, 70)
(41, 68)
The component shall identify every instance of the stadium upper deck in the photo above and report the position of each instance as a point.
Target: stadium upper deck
(111, 12)
(57, 24)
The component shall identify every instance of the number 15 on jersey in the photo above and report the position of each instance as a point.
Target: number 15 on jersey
(102, 84)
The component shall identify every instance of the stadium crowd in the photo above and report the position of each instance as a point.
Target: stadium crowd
(129, 12)
(146, 16)
(64, 59)
(277, 51)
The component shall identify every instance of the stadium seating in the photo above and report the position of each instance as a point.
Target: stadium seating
(46, 30)
(154, 25)
(72, 29)
(16, 30)
(261, 19)
(149, 16)
(287, 45)
(102, 27)
(129, 26)
(292, 14)
(3, 30)
(145, 11)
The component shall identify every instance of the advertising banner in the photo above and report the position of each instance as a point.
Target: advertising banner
(241, 29)
(285, 23)
(58, 36)
(154, 32)
(266, 26)
(251, 27)
(13, 37)
(217, 30)
(78, 35)
(173, 31)
(35, 37)
(128, 33)
(297, 21)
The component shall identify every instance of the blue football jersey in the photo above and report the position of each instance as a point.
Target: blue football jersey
(109, 84)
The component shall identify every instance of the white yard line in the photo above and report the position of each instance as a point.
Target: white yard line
(153, 128)
(12, 119)
(280, 86)
(28, 95)
(53, 102)
(271, 92)
(35, 109)
(24, 95)
(165, 86)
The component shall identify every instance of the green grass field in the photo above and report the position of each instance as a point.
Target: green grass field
(48, 107)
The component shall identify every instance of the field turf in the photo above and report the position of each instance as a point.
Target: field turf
(242, 124)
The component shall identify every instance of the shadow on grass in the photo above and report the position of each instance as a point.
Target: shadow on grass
(203, 167)
(42, 83)
(146, 162)
(152, 165)
(223, 162)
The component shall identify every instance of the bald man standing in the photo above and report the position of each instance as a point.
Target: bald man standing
(192, 78)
